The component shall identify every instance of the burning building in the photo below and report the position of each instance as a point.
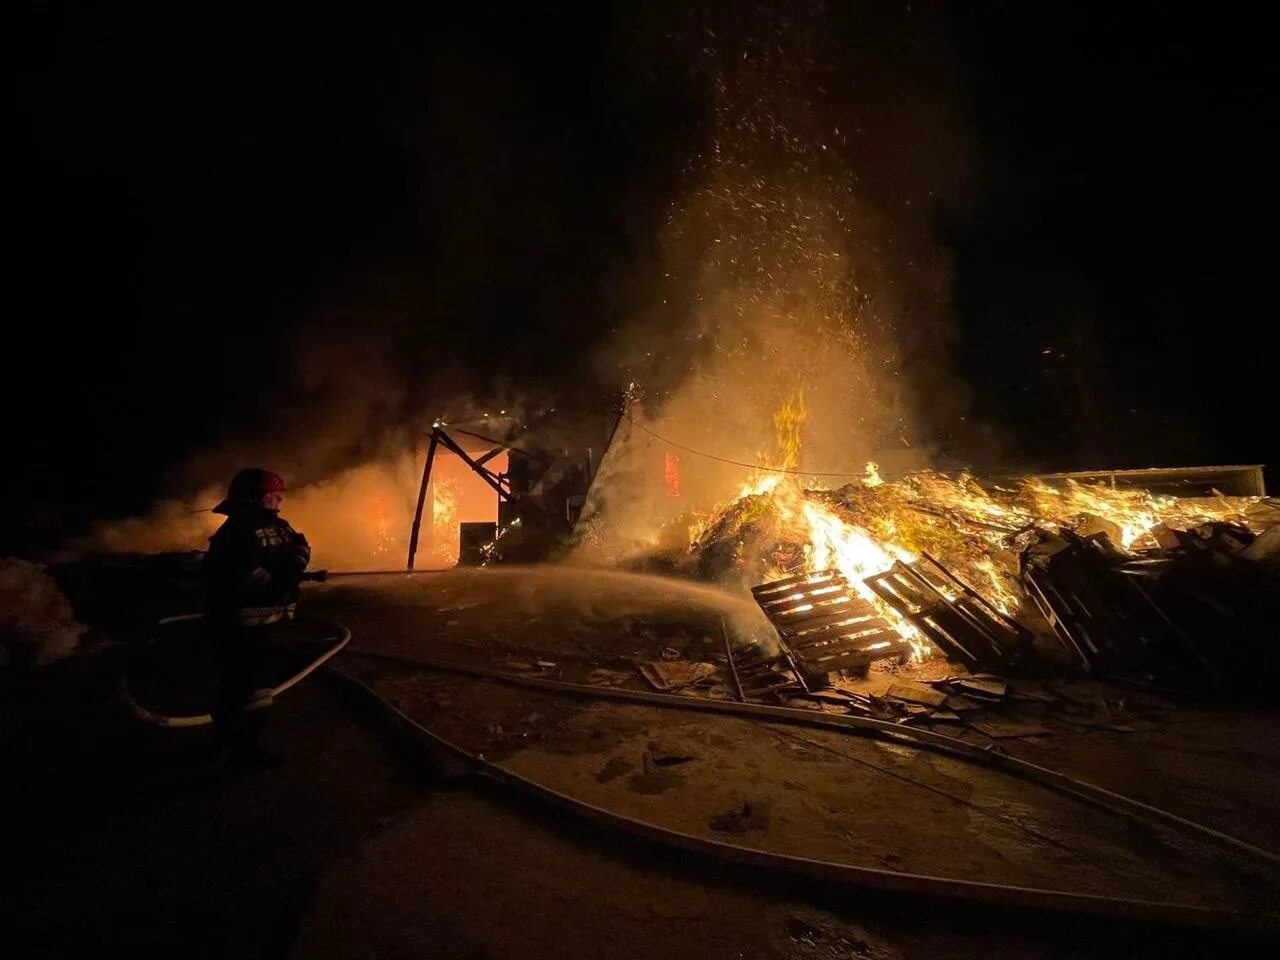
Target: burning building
(538, 480)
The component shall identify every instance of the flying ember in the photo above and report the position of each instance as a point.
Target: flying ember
(778, 526)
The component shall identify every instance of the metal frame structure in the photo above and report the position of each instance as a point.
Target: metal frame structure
(1244, 480)
(500, 482)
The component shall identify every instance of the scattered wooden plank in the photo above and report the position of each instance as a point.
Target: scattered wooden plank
(983, 686)
(1008, 729)
(917, 693)
(667, 675)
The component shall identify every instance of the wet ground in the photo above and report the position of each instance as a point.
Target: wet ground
(1217, 764)
(353, 850)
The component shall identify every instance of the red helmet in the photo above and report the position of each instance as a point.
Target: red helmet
(249, 486)
(271, 482)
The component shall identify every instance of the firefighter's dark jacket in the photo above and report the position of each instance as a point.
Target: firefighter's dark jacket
(254, 565)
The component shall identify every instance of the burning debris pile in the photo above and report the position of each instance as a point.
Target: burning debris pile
(1196, 609)
(1122, 582)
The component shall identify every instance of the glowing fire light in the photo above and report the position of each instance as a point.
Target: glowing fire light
(444, 509)
(864, 528)
(671, 474)
(381, 528)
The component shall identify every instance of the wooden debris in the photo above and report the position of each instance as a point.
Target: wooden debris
(604, 677)
(762, 675)
(882, 709)
(1007, 729)
(917, 693)
(733, 667)
(834, 697)
(983, 686)
(668, 675)
(1187, 616)
(1023, 690)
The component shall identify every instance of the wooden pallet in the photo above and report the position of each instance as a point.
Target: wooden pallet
(757, 674)
(963, 626)
(825, 626)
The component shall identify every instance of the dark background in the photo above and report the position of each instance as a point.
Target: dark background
(257, 222)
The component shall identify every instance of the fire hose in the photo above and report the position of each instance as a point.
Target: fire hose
(909, 736)
(995, 894)
(202, 719)
(264, 699)
(892, 881)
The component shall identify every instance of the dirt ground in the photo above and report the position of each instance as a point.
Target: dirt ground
(355, 849)
(1219, 765)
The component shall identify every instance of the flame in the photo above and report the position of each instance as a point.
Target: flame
(865, 527)
(444, 508)
(788, 428)
(857, 554)
(1134, 512)
(845, 546)
(381, 528)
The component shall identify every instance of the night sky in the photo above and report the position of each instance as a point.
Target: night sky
(240, 227)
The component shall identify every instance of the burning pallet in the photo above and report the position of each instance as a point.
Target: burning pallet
(826, 627)
(1170, 617)
(1182, 603)
(965, 627)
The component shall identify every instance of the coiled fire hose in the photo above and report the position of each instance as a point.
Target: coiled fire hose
(995, 894)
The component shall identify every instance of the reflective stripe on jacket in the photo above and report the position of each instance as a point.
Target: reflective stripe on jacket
(261, 616)
(254, 565)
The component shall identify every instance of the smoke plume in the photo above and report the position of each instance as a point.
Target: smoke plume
(798, 259)
(743, 209)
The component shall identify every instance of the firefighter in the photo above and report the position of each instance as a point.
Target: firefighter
(252, 572)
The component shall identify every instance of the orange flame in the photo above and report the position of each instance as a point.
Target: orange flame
(444, 509)
(381, 528)
(865, 527)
